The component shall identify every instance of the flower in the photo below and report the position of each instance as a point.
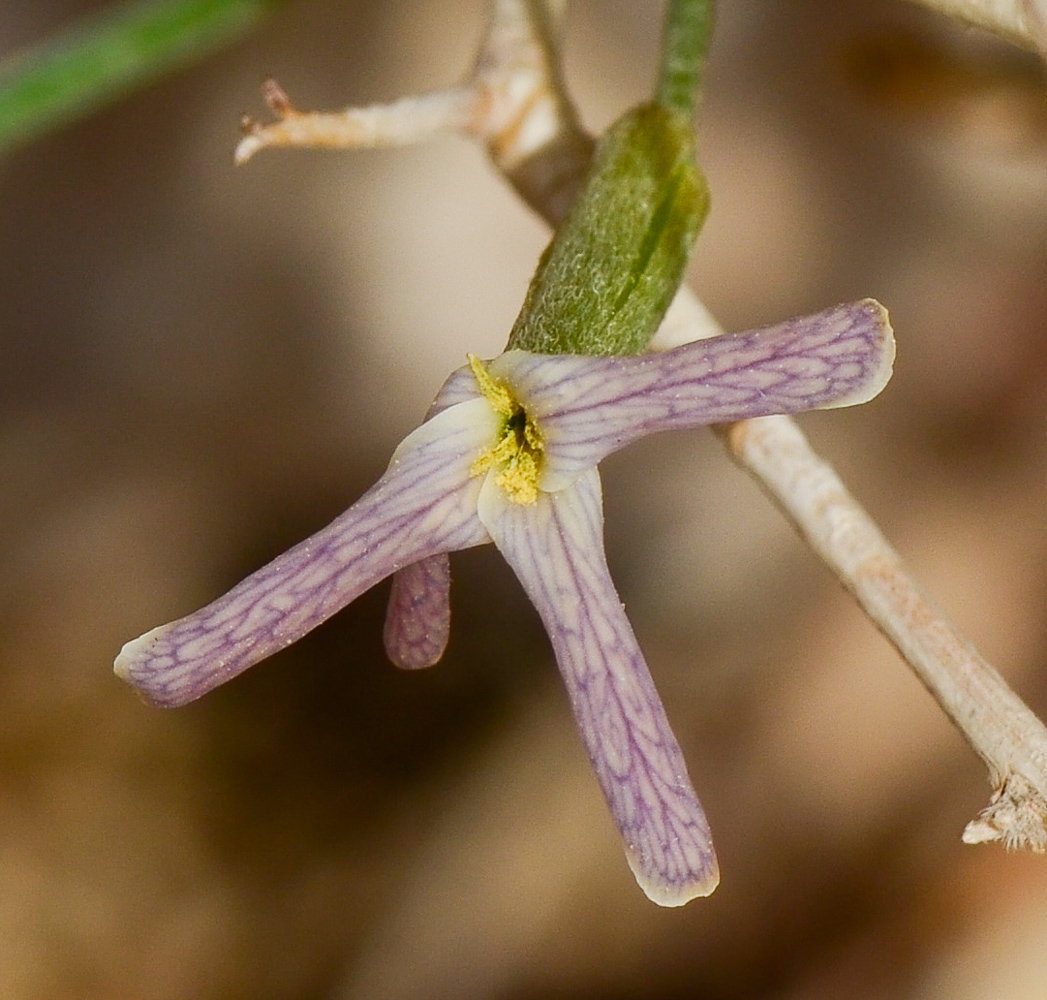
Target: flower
(509, 455)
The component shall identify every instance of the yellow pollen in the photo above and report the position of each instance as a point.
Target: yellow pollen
(518, 454)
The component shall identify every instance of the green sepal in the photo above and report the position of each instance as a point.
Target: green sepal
(604, 282)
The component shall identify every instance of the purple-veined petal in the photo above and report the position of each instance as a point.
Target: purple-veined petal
(418, 619)
(424, 503)
(418, 616)
(555, 547)
(459, 387)
(585, 408)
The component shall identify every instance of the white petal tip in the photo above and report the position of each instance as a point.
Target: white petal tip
(138, 665)
(131, 654)
(667, 894)
(875, 315)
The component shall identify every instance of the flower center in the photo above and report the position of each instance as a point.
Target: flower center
(517, 454)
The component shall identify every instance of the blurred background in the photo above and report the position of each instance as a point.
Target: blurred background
(200, 365)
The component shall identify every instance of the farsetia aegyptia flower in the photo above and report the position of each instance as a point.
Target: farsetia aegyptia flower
(509, 455)
(511, 458)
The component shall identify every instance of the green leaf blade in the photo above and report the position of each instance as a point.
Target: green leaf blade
(105, 56)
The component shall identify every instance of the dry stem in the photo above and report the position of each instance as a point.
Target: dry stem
(516, 104)
(996, 722)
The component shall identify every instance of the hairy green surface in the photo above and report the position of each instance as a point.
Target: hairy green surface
(605, 281)
(685, 41)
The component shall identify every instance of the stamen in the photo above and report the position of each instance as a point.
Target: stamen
(518, 454)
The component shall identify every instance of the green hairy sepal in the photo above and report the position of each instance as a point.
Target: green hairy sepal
(604, 282)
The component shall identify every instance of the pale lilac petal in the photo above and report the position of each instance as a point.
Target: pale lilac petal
(586, 408)
(556, 548)
(418, 619)
(459, 387)
(425, 503)
(418, 616)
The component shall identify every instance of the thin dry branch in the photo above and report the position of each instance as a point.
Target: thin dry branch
(995, 721)
(515, 102)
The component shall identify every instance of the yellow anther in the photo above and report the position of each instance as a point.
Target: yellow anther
(500, 398)
(518, 453)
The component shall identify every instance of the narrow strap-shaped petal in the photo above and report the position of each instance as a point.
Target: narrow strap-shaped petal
(425, 503)
(555, 547)
(586, 408)
(418, 618)
(418, 615)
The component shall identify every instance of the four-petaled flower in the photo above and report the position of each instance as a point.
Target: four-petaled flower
(509, 455)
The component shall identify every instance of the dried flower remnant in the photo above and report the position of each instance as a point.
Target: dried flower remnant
(510, 455)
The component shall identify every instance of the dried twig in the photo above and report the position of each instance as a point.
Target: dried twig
(995, 721)
(516, 104)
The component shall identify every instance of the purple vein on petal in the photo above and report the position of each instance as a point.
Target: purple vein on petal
(418, 619)
(418, 615)
(587, 408)
(423, 504)
(556, 549)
